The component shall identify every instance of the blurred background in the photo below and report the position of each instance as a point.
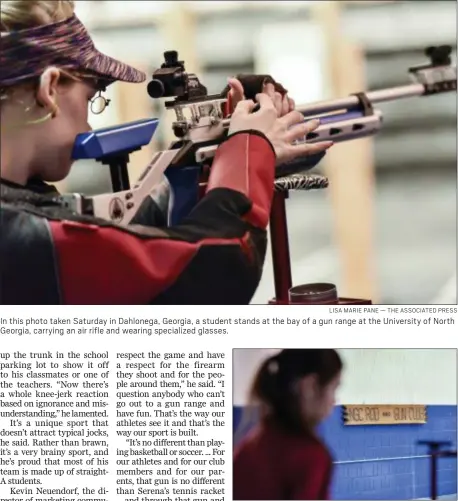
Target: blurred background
(386, 227)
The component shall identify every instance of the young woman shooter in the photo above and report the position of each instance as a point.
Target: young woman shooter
(49, 72)
(283, 458)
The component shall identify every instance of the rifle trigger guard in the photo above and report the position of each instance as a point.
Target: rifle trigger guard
(364, 104)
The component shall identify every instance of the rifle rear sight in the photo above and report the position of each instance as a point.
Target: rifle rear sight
(193, 107)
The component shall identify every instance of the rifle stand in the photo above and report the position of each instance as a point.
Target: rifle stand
(435, 453)
(285, 293)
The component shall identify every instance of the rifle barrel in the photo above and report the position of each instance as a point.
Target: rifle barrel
(375, 96)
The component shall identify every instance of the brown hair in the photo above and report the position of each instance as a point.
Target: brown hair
(274, 389)
(24, 14)
(21, 14)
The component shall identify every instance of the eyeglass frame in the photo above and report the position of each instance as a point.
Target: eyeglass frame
(100, 85)
(106, 102)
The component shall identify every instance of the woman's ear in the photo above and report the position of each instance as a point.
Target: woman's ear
(309, 386)
(47, 90)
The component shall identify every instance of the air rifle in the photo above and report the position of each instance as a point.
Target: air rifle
(200, 126)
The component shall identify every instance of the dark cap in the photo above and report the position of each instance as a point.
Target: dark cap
(25, 54)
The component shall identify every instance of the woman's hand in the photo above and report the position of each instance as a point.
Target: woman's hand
(282, 131)
(283, 104)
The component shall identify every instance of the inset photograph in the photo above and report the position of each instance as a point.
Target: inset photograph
(359, 424)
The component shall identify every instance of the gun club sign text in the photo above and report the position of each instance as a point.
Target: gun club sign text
(354, 415)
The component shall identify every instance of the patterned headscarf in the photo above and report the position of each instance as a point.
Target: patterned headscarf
(25, 54)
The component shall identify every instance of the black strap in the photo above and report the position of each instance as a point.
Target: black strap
(253, 84)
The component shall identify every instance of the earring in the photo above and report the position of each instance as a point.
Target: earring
(55, 110)
(47, 117)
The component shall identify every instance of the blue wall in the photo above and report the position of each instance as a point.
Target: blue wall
(388, 478)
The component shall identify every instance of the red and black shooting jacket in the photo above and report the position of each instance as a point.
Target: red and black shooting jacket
(272, 464)
(49, 255)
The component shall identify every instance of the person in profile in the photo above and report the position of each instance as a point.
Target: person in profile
(282, 457)
(50, 72)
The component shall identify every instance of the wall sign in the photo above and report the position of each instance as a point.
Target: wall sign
(354, 415)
